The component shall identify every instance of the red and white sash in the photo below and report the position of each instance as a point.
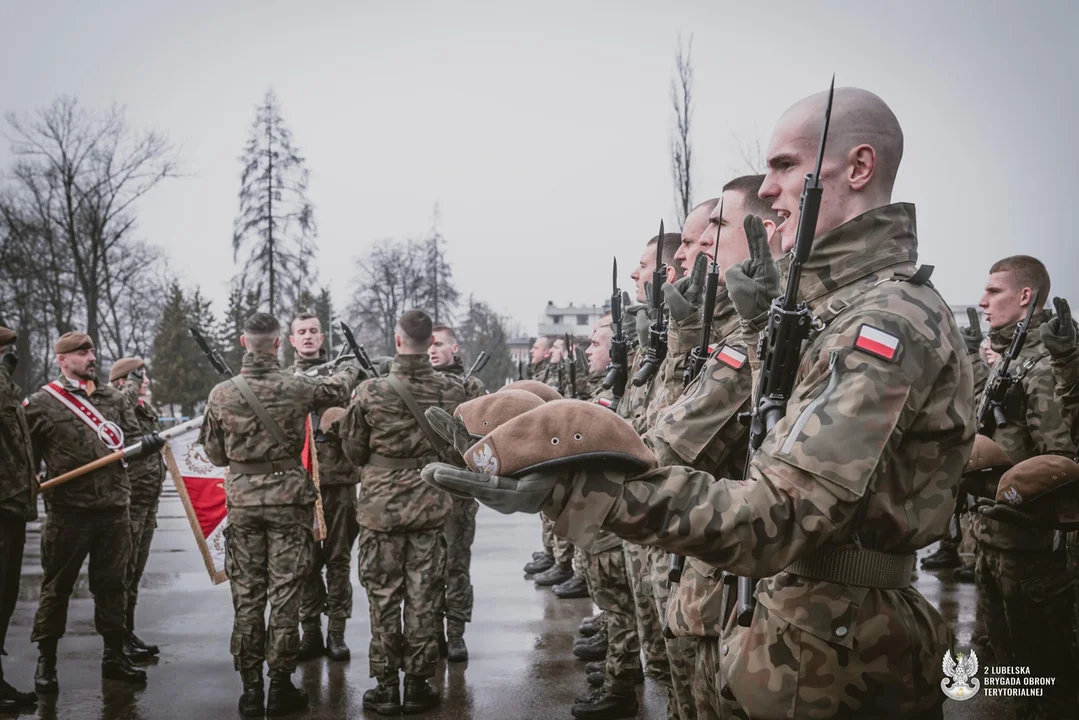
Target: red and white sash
(109, 432)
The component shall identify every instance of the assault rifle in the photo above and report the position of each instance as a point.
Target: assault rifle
(358, 352)
(617, 370)
(657, 331)
(991, 408)
(482, 359)
(571, 359)
(211, 354)
(780, 347)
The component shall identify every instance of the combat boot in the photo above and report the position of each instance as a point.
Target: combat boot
(964, 574)
(457, 651)
(115, 664)
(946, 556)
(596, 666)
(311, 645)
(575, 587)
(12, 699)
(137, 642)
(593, 648)
(539, 554)
(384, 698)
(554, 575)
(419, 696)
(336, 649)
(540, 564)
(596, 678)
(590, 626)
(45, 682)
(252, 702)
(284, 697)
(607, 705)
(135, 653)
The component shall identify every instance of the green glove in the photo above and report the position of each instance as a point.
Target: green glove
(1058, 334)
(452, 429)
(642, 322)
(527, 494)
(686, 296)
(972, 334)
(1005, 513)
(756, 282)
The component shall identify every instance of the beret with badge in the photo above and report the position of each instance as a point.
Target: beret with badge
(1042, 491)
(988, 461)
(329, 417)
(72, 342)
(124, 367)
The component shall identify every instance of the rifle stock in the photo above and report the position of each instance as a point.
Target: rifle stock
(358, 351)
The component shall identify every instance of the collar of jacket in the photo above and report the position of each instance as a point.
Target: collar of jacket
(75, 384)
(859, 250)
(454, 368)
(1001, 338)
(302, 364)
(260, 364)
(411, 365)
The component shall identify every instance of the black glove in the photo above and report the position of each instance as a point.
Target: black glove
(756, 282)
(972, 334)
(151, 443)
(686, 295)
(10, 359)
(1058, 334)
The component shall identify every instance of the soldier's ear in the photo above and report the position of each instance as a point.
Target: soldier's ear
(243, 342)
(773, 239)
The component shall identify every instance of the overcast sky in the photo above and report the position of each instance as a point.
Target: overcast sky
(541, 129)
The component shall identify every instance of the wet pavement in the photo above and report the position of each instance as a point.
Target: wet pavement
(519, 642)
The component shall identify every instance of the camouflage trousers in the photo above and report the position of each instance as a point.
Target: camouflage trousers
(605, 573)
(560, 548)
(649, 628)
(1027, 601)
(460, 531)
(680, 651)
(580, 565)
(67, 539)
(268, 553)
(403, 570)
(143, 524)
(334, 595)
(12, 541)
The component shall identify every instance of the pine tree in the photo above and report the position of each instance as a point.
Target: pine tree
(481, 329)
(181, 374)
(243, 303)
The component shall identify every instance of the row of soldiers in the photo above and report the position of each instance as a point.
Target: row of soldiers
(862, 469)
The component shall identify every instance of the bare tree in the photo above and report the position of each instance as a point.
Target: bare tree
(681, 93)
(276, 224)
(752, 155)
(443, 294)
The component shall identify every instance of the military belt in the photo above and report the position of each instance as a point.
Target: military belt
(263, 468)
(851, 566)
(392, 463)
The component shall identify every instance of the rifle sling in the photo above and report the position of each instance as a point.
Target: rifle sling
(413, 407)
(260, 411)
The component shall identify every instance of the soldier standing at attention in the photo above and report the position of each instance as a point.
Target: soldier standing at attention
(539, 369)
(73, 422)
(460, 527)
(18, 502)
(402, 550)
(255, 425)
(337, 483)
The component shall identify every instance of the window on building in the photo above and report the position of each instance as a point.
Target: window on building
(582, 319)
(556, 319)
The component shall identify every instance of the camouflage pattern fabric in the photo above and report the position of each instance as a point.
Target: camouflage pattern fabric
(680, 650)
(268, 551)
(12, 541)
(474, 387)
(707, 679)
(649, 629)
(333, 467)
(826, 476)
(1066, 378)
(18, 486)
(611, 594)
(403, 569)
(332, 597)
(143, 521)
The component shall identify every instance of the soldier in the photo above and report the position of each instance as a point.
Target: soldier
(540, 369)
(147, 477)
(460, 527)
(18, 503)
(73, 422)
(255, 424)
(540, 355)
(402, 547)
(861, 471)
(1022, 578)
(337, 486)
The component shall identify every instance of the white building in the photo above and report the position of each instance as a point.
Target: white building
(577, 320)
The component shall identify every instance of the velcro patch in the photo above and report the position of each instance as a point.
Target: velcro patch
(731, 357)
(877, 342)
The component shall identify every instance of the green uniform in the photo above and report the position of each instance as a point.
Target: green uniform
(18, 494)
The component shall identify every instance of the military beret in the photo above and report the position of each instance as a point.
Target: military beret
(1036, 477)
(558, 433)
(545, 392)
(7, 336)
(72, 341)
(329, 417)
(484, 414)
(124, 367)
(986, 454)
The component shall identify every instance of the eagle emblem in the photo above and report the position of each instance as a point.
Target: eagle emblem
(1012, 496)
(961, 676)
(485, 461)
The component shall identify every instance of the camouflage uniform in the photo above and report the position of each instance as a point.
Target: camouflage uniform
(866, 460)
(337, 484)
(147, 477)
(402, 549)
(269, 538)
(1024, 589)
(460, 531)
(18, 494)
(85, 517)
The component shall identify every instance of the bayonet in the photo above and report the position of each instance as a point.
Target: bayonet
(358, 352)
(211, 353)
(657, 331)
(617, 373)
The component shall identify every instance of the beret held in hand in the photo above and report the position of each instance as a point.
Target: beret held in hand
(545, 392)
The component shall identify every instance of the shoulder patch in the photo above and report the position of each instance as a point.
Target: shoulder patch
(25, 402)
(877, 342)
(604, 402)
(731, 357)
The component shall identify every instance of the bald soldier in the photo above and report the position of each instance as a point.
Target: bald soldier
(862, 471)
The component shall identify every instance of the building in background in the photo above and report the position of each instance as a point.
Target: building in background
(577, 320)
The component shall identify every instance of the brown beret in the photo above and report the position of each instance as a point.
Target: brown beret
(545, 392)
(7, 336)
(561, 432)
(329, 417)
(72, 341)
(483, 414)
(986, 454)
(1035, 477)
(124, 367)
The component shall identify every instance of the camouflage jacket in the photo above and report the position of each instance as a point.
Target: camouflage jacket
(637, 400)
(232, 431)
(66, 442)
(473, 386)
(379, 423)
(333, 467)
(1036, 426)
(146, 474)
(869, 454)
(604, 540)
(18, 481)
(545, 372)
(1066, 377)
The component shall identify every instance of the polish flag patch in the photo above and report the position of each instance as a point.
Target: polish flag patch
(877, 342)
(731, 357)
(604, 402)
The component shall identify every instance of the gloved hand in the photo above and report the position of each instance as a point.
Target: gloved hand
(756, 282)
(641, 321)
(10, 359)
(151, 443)
(972, 334)
(1058, 334)
(528, 494)
(452, 429)
(686, 295)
